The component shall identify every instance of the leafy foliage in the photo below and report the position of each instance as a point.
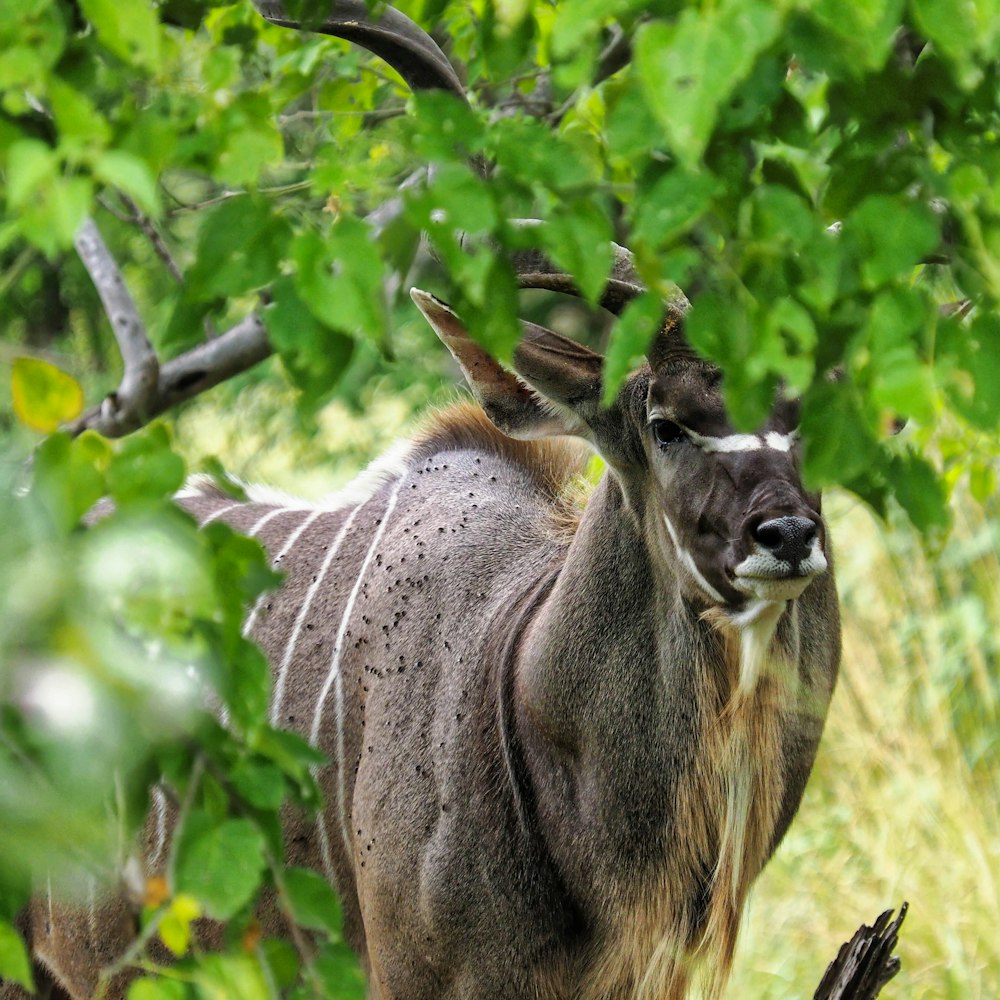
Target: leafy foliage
(820, 176)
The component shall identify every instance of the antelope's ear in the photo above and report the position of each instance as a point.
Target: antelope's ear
(544, 359)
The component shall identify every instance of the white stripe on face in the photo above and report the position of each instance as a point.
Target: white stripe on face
(333, 677)
(742, 442)
(689, 564)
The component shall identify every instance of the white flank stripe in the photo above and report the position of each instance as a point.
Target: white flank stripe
(218, 513)
(689, 564)
(333, 676)
(160, 804)
(283, 551)
(92, 909)
(286, 660)
(252, 533)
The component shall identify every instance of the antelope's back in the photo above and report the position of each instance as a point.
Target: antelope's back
(387, 641)
(381, 639)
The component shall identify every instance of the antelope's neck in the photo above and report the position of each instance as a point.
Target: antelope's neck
(657, 778)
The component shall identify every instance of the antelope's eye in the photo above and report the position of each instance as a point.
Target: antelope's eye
(666, 432)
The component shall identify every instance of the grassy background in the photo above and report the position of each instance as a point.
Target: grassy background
(903, 801)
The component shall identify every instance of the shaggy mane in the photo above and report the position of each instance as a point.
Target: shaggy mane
(552, 462)
(556, 465)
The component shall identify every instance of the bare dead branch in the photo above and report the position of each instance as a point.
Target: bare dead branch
(141, 371)
(865, 963)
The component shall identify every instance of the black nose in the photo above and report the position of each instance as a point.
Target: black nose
(788, 538)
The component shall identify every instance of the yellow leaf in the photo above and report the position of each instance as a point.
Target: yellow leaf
(175, 927)
(44, 396)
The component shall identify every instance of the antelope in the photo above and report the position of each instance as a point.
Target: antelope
(565, 734)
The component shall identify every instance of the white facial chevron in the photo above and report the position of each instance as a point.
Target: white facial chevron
(743, 442)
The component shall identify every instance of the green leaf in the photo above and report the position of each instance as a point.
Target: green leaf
(220, 865)
(248, 140)
(294, 756)
(14, 962)
(920, 492)
(226, 977)
(131, 31)
(175, 926)
(496, 323)
(782, 217)
(864, 28)
(578, 237)
(790, 334)
(144, 469)
(968, 363)
(131, 176)
(337, 968)
(959, 28)
(312, 901)
(630, 338)
(525, 149)
(30, 165)
(632, 129)
(260, 783)
(900, 381)
(68, 477)
(248, 683)
(281, 960)
(241, 244)
(839, 445)
(158, 989)
(671, 207)
(340, 278)
(316, 355)
(891, 236)
(44, 396)
(447, 129)
(78, 120)
(688, 69)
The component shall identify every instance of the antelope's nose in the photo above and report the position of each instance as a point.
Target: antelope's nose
(788, 538)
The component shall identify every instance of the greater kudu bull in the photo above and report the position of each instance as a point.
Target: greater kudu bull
(564, 739)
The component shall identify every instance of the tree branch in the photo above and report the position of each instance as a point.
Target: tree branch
(139, 379)
(199, 369)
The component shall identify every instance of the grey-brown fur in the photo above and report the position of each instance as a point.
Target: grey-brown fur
(536, 714)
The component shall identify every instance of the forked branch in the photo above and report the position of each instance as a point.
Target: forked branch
(141, 366)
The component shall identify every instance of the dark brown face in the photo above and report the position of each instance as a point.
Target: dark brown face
(733, 504)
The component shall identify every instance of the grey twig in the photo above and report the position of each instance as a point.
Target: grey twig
(155, 237)
(141, 366)
(616, 55)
